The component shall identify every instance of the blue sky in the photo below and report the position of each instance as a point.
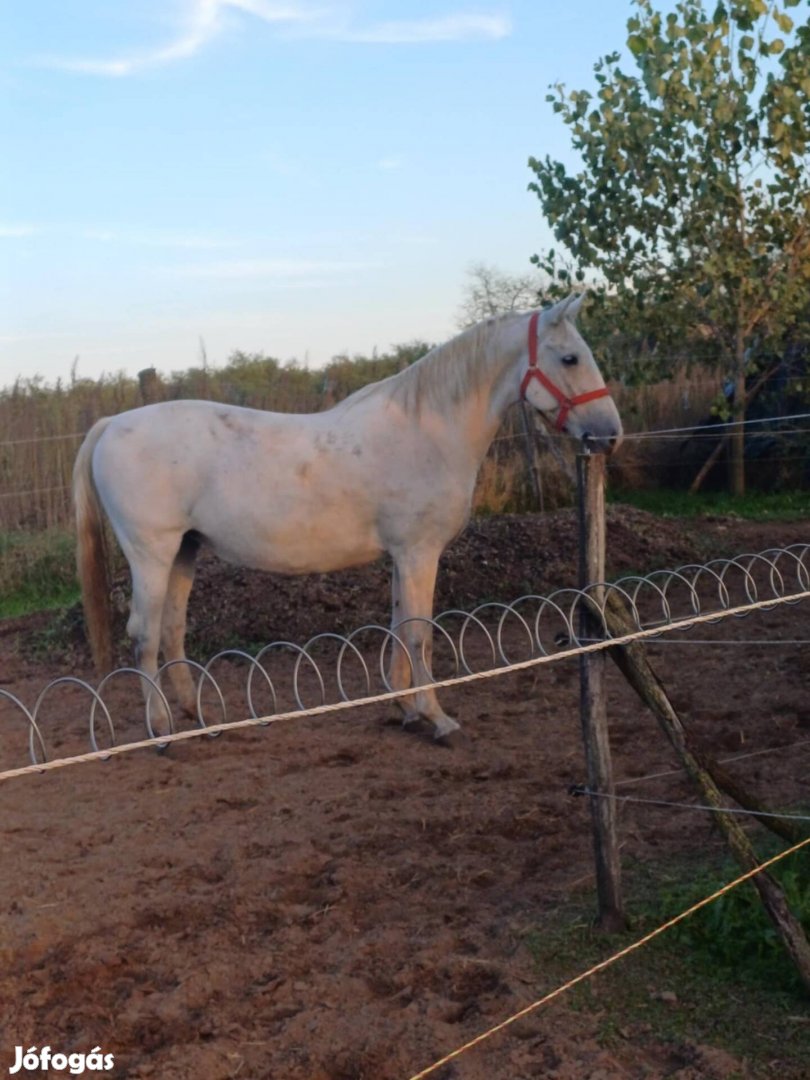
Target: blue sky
(300, 178)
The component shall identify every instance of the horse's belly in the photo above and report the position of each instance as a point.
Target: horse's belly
(306, 548)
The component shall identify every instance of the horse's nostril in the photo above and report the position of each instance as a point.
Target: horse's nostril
(599, 444)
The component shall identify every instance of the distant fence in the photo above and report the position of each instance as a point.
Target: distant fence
(43, 425)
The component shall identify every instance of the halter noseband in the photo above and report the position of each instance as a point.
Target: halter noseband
(533, 372)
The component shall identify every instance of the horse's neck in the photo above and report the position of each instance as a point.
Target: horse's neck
(462, 408)
(482, 412)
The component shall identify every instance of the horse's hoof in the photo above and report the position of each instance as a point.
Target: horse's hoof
(451, 740)
(445, 725)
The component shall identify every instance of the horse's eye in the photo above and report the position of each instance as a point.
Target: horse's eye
(570, 359)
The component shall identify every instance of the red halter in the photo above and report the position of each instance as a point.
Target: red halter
(533, 372)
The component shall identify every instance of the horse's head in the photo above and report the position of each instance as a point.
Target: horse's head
(562, 380)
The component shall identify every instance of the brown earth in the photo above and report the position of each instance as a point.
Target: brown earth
(333, 898)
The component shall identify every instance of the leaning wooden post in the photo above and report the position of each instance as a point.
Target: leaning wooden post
(593, 704)
(632, 662)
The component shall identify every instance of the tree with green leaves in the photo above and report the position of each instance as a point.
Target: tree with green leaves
(693, 194)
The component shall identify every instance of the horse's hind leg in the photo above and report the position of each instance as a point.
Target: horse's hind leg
(400, 671)
(173, 621)
(413, 587)
(150, 579)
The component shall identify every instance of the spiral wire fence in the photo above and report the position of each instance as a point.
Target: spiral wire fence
(494, 638)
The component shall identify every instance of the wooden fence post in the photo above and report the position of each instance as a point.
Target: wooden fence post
(593, 704)
(149, 383)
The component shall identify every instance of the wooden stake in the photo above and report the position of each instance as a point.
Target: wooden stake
(149, 383)
(593, 703)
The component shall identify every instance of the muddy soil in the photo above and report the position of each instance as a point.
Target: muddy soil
(335, 898)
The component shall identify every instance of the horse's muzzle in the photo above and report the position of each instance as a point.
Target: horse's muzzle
(601, 444)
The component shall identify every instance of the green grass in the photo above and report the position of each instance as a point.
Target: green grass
(734, 934)
(718, 979)
(753, 506)
(37, 572)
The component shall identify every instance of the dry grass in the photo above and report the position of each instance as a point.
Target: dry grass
(680, 402)
(684, 399)
(43, 425)
(42, 428)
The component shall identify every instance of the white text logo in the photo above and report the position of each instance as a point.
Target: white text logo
(33, 1060)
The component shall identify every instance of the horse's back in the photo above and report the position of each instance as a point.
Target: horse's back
(287, 492)
(276, 491)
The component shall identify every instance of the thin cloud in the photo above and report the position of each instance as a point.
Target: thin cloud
(103, 234)
(459, 27)
(203, 25)
(154, 239)
(208, 18)
(205, 22)
(297, 271)
(13, 231)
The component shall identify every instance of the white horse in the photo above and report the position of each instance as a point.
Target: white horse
(390, 469)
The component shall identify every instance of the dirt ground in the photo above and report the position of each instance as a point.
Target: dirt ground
(335, 898)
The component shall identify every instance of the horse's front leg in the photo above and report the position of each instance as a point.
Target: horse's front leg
(413, 585)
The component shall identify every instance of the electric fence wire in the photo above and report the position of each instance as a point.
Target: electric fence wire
(583, 790)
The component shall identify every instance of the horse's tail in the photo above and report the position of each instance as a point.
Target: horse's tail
(91, 553)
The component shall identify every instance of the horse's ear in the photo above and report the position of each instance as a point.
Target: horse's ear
(565, 309)
(555, 315)
(574, 303)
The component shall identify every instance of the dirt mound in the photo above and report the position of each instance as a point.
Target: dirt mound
(496, 558)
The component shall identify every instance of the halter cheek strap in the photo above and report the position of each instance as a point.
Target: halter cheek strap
(533, 372)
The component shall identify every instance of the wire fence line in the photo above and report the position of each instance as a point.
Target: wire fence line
(731, 760)
(711, 429)
(34, 491)
(613, 465)
(42, 439)
(746, 642)
(546, 627)
(771, 433)
(43, 496)
(584, 790)
(614, 958)
(720, 426)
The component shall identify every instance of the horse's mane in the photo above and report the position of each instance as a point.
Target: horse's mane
(448, 373)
